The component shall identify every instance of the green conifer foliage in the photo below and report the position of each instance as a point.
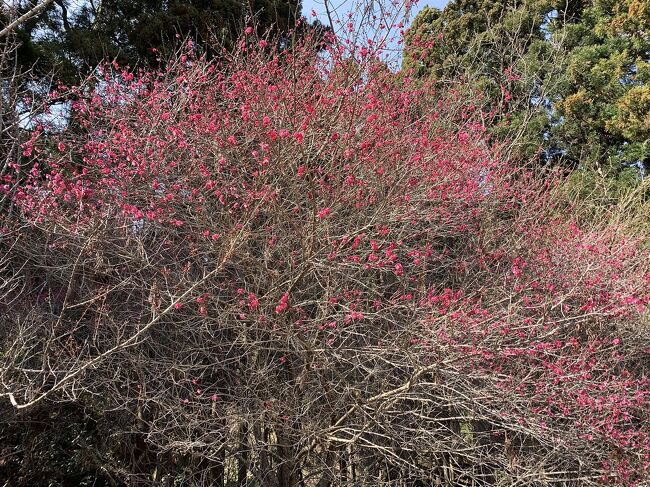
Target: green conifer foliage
(566, 78)
(71, 37)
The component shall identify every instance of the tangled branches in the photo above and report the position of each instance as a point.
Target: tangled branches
(282, 270)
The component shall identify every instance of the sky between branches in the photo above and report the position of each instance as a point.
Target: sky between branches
(318, 6)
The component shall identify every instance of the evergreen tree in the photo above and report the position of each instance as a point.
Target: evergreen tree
(70, 37)
(602, 108)
(499, 48)
(567, 78)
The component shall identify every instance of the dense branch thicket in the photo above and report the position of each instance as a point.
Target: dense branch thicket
(279, 269)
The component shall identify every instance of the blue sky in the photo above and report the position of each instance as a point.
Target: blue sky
(317, 5)
(392, 55)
